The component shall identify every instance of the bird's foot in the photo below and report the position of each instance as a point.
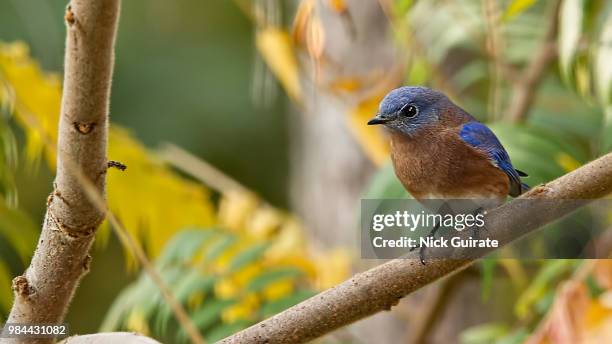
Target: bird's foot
(477, 229)
(422, 248)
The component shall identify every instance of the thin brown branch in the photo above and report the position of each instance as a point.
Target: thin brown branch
(132, 245)
(524, 90)
(44, 291)
(200, 169)
(382, 287)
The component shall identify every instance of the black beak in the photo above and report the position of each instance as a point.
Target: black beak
(377, 120)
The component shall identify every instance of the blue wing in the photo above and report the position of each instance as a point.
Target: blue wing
(483, 139)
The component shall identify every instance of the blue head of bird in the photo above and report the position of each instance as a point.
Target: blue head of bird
(409, 109)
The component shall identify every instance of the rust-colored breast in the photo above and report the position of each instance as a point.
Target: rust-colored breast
(437, 164)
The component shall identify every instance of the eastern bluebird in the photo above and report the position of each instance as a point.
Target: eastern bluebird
(439, 151)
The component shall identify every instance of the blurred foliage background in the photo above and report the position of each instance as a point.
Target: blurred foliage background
(240, 84)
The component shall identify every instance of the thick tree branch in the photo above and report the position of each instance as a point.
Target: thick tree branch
(523, 93)
(44, 291)
(382, 287)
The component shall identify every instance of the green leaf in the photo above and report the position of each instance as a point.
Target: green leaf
(603, 63)
(192, 282)
(248, 255)
(517, 336)
(487, 267)
(550, 271)
(570, 29)
(264, 279)
(385, 185)
(606, 142)
(516, 7)
(542, 306)
(483, 334)
(119, 309)
(473, 72)
(219, 246)
(148, 297)
(6, 294)
(19, 230)
(401, 7)
(8, 163)
(211, 312)
(185, 245)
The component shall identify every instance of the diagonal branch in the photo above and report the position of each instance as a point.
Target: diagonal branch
(382, 287)
(44, 291)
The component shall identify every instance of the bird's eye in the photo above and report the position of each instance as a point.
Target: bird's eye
(409, 110)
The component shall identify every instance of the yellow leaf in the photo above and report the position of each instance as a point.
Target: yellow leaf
(226, 288)
(245, 309)
(278, 289)
(567, 162)
(265, 222)
(333, 267)
(516, 7)
(371, 138)
(274, 45)
(35, 95)
(149, 198)
(236, 208)
(243, 276)
(137, 322)
(289, 241)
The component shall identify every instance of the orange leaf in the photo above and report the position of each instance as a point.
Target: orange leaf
(338, 6)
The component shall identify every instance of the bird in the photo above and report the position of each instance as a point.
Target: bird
(440, 151)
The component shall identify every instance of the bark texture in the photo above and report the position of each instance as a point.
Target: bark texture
(44, 291)
(382, 287)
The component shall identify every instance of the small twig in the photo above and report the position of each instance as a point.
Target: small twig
(116, 164)
(200, 169)
(524, 92)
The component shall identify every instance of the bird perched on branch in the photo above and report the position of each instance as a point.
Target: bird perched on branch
(439, 151)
